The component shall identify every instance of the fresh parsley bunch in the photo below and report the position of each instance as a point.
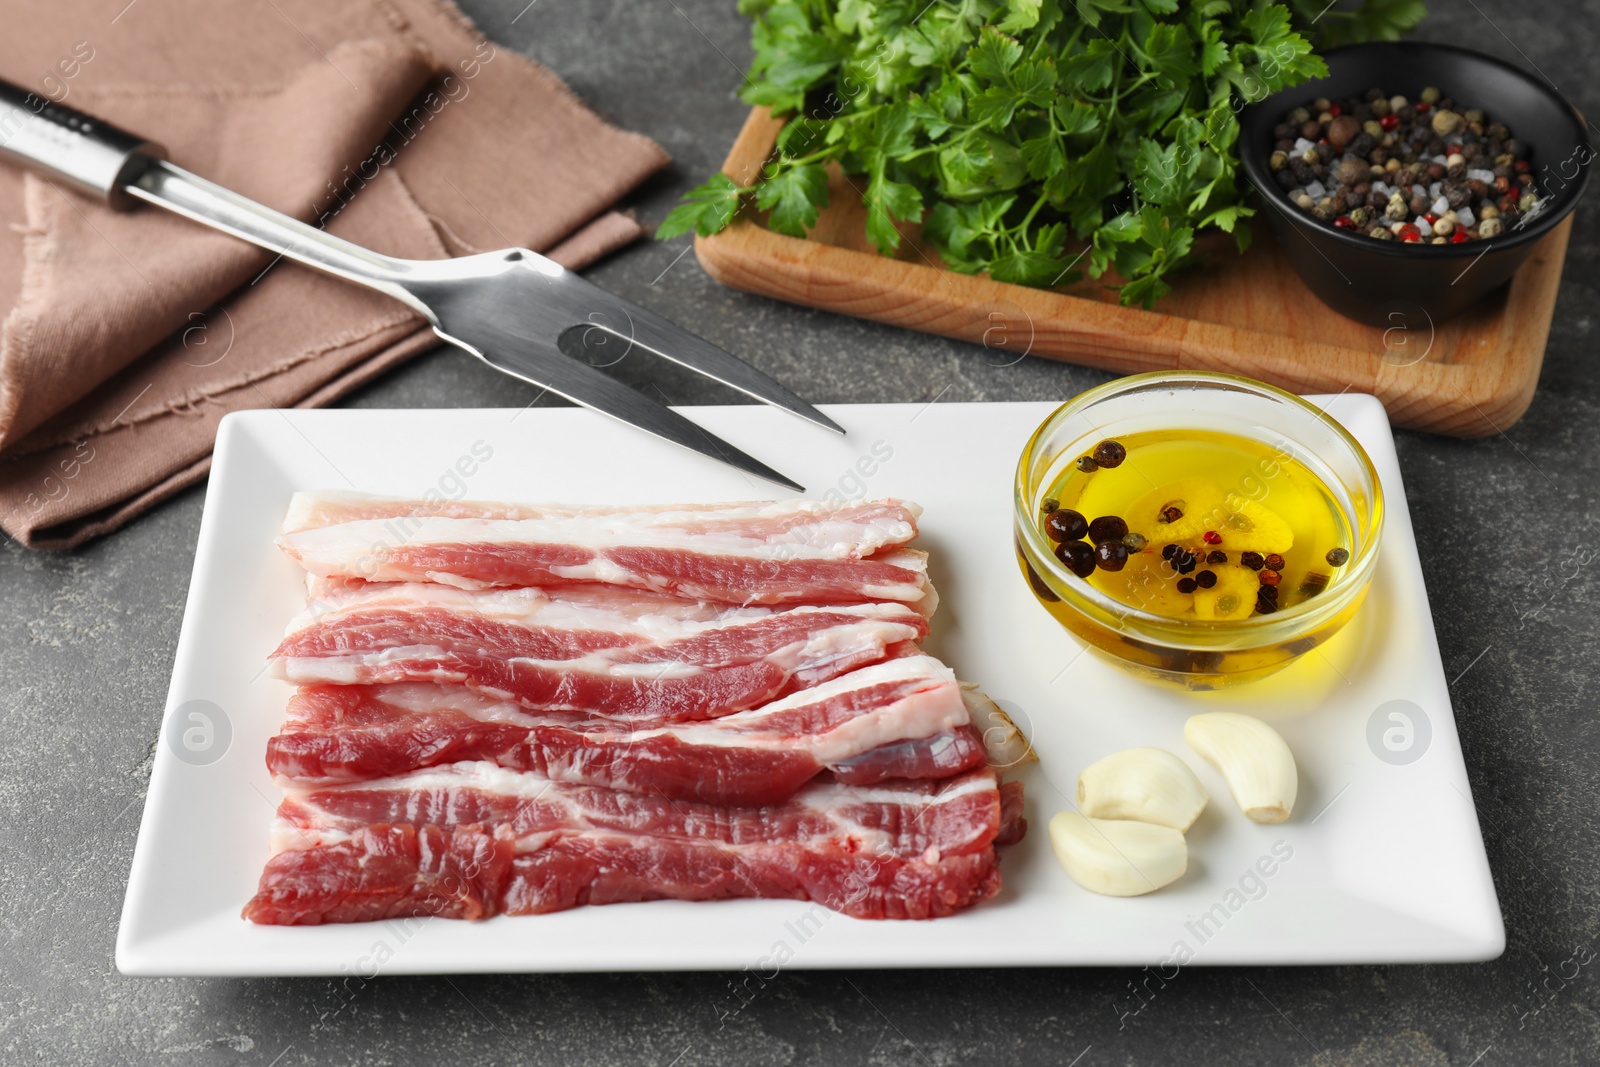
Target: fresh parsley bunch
(1033, 139)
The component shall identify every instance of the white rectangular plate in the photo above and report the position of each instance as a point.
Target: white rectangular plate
(1382, 861)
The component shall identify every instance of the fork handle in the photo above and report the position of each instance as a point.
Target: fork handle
(193, 197)
(94, 157)
(122, 168)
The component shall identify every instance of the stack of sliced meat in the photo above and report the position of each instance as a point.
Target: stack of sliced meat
(517, 709)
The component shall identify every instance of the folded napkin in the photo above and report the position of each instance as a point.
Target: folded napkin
(127, 336)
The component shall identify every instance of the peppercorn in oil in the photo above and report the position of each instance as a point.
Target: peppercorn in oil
(1197, 524)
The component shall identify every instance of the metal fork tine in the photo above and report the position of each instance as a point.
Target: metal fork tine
(582, 384)
(670, 341)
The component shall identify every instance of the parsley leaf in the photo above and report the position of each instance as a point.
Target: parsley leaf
(794, 196)
(706, 209)
(1157, 174)
(1171, 53)
(1094, 66)
(1024, 15)
(888, 200)
(994, 107)
(1028, 136)
(994, 55)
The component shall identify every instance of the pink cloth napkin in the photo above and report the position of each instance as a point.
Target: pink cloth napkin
(393, 123)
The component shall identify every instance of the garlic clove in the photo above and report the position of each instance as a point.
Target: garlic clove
(1003, 740)
(1117, 857)
(1145, 784)
(1254, 759)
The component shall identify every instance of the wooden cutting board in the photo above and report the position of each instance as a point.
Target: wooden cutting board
(1470, 377)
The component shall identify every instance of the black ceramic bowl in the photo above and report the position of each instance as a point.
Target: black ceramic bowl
(1373, 281)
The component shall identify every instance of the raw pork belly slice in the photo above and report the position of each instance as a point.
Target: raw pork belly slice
(474, 840)
(510, 710)
(606, 652)
(312, 509)
(794, 552)
(904, 718)
(323, 591)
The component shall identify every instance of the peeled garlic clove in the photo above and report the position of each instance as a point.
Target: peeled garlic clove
(1146, 784)
(1254, 759)
(1117, 857)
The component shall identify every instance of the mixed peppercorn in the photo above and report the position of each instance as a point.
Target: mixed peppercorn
(1106, 543)
(1418, 172)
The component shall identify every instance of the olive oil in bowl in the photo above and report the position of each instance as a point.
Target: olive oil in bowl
(1218, 527)
(1197, 554)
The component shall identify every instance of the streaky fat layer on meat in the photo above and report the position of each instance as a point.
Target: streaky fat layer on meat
(745, 520)
(511, 709)
(474, 840)
(792, 552)
(625, 654)
(903, 718)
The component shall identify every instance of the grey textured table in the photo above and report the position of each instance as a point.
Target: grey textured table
(1507, 527)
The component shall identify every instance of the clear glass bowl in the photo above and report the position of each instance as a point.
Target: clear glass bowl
(1188, 652)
